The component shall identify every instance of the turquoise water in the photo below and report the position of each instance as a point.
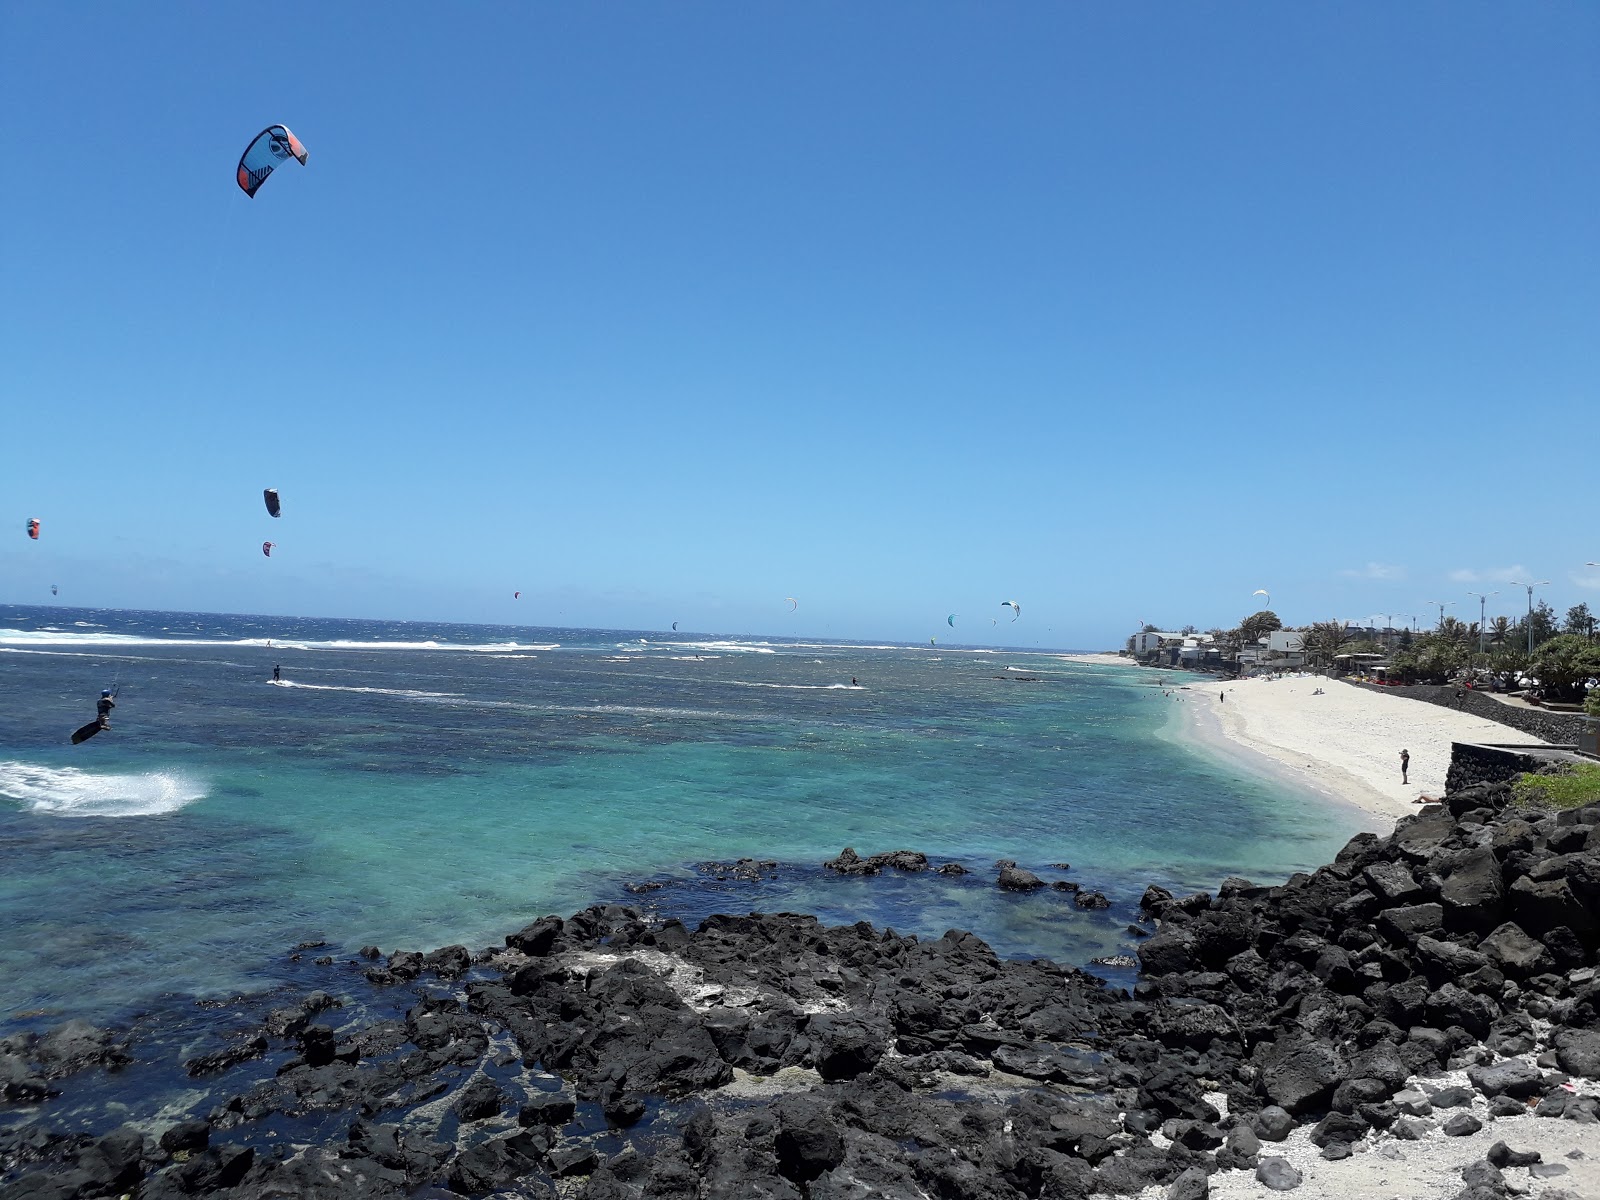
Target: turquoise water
(417, 785)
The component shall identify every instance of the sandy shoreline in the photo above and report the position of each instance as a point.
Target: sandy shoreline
(1344, 744)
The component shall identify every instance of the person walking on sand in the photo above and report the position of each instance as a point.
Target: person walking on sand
(1222, 697)
(1405, 765)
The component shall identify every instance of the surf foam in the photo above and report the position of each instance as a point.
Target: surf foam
(70, 792)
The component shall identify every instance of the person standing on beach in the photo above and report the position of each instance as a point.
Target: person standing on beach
(1222, 697)
(1405, 764)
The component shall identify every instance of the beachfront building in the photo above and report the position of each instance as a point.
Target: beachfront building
(1156, 646)
(1285, 650)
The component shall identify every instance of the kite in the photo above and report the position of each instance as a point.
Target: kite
(53, 590)
(1016, 609)
(266, 548)
(516, 595)
(273, 145)
(674, 627)
(1263, 592)
(793, 603)
(951, 620)
(270, 495)
(33, 528)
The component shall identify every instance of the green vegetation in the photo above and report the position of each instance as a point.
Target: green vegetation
(1591, 705)
(1571, 789)
(1564, 664)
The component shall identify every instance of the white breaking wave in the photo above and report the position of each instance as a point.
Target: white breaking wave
(53, 637)
(69, 792)
(800, 687)
(333, 687)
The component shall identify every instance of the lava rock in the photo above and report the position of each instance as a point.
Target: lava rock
(1277, 1174)
(1017, 879)
(1461, 1125)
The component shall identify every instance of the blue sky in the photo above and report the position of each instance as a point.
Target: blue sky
(667, 312)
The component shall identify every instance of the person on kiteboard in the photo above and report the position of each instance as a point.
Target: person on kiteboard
(103, 708)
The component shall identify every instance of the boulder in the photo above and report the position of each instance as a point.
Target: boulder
(1513, 951)
(1463, 1124)
(1338, 1127)
(1172, 950)
(186, 1137)
(1192, 1184)
(1578, 1051)
(1277, 1174)
(1394, 882)
(1402, 925)
(548, 1108)
(479, 1099)
(846, 1045)
(1502, 1155)
(1273, 1124)
(809, 1140)
(1509, 1078)
(1298, 1072)
(1448, 960)
(1454, 1005)
(1543, 905)
(1472, 892)
(537, 938)
(1016, 879)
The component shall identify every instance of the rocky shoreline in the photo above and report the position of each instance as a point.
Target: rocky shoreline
(1423, 986)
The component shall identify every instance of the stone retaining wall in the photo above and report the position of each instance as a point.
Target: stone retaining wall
(1471, 763)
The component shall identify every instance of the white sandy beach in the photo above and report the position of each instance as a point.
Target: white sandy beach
(1344, 743)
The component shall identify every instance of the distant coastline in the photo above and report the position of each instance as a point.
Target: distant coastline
(1343, 743)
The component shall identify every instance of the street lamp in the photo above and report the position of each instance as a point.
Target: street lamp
(1483, 599)
(1530, 587)
(1443, 604)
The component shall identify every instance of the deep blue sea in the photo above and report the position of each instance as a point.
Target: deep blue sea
(415, 784)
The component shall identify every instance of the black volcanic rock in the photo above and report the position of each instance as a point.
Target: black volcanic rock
(1016, 879)
(922, 1066)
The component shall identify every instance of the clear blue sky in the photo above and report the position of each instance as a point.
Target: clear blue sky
(666, 312)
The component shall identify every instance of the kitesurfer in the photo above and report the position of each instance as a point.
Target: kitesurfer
(277, 673)
(103, 708)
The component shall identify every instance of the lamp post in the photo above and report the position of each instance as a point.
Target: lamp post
(1483, 599)
(1443, 604)
(1530, 587)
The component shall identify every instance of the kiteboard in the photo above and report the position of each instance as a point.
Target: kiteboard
(87, 732)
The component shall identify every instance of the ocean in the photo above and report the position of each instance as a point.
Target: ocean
(412, 785)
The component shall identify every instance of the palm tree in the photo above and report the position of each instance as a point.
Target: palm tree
(1500, 630)
(1328, 638)
(1452, 629)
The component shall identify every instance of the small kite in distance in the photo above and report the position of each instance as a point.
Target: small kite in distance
(516, 595)
(270, 495)
(1016, 609)
(33, 528)
(792, 602)
(1263, 592)
(266, 548)
(54, 591)
(273, 145)
(674, 627)
(951, 620)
